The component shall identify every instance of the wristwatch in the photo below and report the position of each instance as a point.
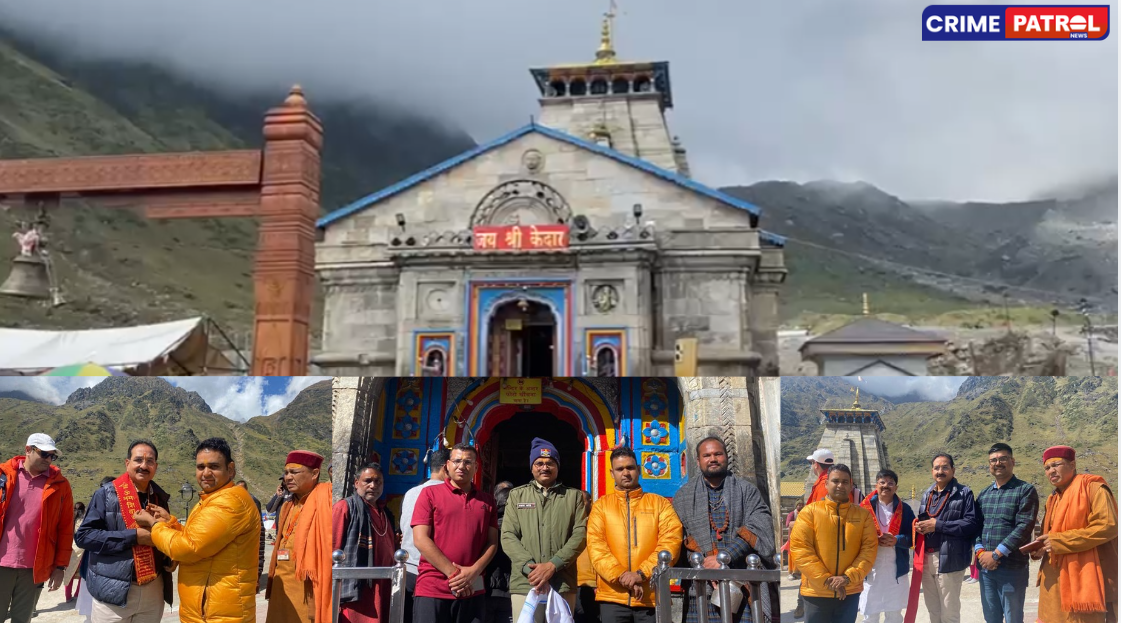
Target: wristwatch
(63, 568)
(641, 575)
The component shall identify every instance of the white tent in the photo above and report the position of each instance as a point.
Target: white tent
(179, 348)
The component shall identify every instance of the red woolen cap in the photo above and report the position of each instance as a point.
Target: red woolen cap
(305, 458)
(1058, 452)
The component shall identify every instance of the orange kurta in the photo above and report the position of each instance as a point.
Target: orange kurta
(1100, 531)
(290, 600)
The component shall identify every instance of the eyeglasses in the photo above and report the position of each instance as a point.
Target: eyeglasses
(50, 456)
(463, 462)
(1003, 460)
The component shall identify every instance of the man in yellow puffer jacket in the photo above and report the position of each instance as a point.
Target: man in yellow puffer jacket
(835, 542)
(626, 530)
(217, 549)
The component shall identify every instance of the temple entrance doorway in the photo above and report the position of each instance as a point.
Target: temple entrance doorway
(522, 338)
(506, 452)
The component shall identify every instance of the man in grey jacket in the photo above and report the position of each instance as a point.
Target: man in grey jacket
(543, 532)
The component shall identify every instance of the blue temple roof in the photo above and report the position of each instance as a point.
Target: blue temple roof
(638, 163)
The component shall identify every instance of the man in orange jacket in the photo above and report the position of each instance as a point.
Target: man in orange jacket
(626, 531)
(36, 527)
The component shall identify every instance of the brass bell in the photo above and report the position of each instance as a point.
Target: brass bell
(28, 278)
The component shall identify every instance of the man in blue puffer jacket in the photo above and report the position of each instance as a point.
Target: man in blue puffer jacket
(129, 580)
(949, 522)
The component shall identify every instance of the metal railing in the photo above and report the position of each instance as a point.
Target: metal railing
(754, 576)
(396, 575)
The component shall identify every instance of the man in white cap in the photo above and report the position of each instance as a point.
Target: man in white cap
(820, 462)
(36, 527)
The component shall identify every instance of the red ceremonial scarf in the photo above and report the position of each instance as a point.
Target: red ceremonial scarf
(896, 522)
(143, 556)
(920, 557)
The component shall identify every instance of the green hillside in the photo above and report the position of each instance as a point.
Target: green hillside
(1029, 413)
(118, 268)
(95, 426)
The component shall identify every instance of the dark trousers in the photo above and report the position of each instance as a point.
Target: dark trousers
(1002, 594)
(435, 610)
(18, 594)
(587, 608)
(831, 609)
(618, 613)
(498, 610)
(408, 606)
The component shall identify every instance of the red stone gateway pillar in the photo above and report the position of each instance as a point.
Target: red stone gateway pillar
(284, 271)
(279, 184)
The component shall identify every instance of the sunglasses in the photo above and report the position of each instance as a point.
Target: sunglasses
(46, 455)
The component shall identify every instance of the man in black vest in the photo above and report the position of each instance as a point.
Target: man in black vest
(364, 530)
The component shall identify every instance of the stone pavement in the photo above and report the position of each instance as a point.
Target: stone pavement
(970, 601)
(52, 609)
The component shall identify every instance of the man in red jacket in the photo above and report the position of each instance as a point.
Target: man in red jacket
(35, 501)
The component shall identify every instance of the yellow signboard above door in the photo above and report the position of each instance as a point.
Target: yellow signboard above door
(520, 392)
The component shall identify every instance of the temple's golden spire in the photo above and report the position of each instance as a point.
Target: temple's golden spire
(606, 53)
(856, 403)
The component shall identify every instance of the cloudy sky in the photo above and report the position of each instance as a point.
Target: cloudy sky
(766, 89)
(939, 388)
(238, 398)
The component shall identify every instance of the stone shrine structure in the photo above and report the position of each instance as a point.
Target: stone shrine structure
(854, 437)
(578, 245)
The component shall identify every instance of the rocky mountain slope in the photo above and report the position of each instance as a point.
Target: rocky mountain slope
(1049, 250)
(117, 268)
(1029, 413)
(95, 426)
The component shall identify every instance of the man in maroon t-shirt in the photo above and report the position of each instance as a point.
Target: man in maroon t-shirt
(455, 528)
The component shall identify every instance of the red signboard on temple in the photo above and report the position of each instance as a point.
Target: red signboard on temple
(520, 237)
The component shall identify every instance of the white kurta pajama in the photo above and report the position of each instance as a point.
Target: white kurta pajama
(883, 592)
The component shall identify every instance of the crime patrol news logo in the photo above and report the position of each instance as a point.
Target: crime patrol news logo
(998, 22)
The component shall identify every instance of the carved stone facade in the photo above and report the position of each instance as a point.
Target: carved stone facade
(650, 257)
(395, 421)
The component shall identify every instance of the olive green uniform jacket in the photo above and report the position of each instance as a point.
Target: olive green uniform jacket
(540, 527)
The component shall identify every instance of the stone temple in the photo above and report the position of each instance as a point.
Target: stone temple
(578, 245)
(854, 436)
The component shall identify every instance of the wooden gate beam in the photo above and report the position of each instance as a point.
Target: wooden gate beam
(280, 184)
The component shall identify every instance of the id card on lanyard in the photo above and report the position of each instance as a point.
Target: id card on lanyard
(285, 553)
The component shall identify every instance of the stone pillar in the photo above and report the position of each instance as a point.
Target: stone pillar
(721, 407)
(362, 342)
(770, 407)
(284, 270)
(764, 319)
(353, 400)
